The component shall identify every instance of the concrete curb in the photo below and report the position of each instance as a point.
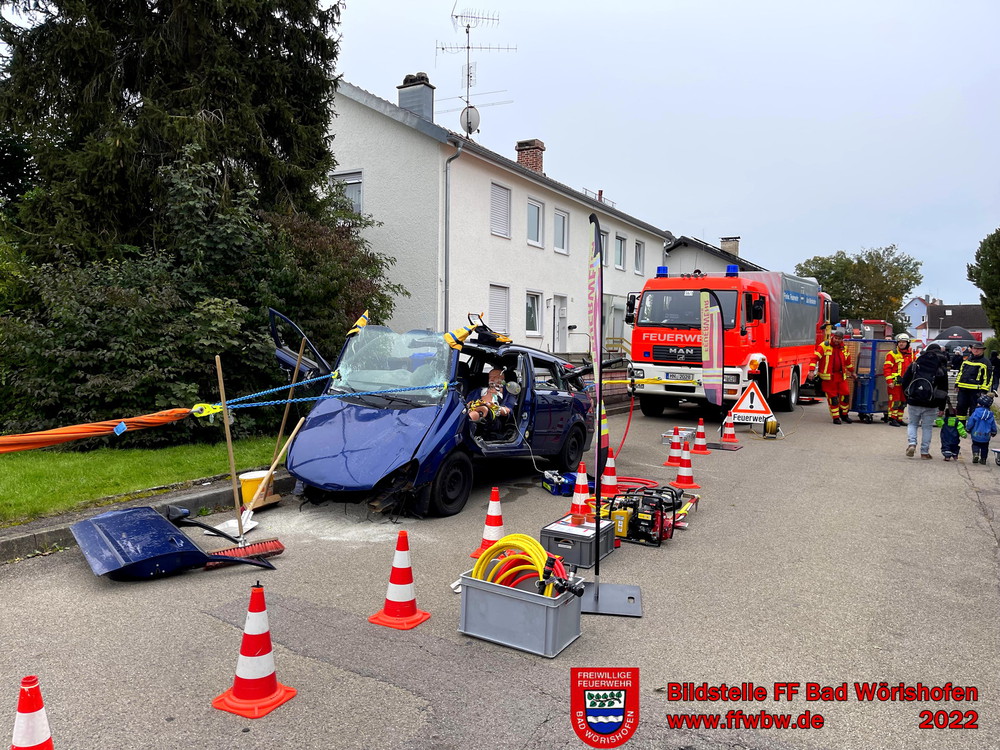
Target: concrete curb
(48, 534)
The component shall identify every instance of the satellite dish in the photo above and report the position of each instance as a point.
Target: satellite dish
(469, 119)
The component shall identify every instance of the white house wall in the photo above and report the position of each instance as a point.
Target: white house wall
(402, 188)
(480, 258)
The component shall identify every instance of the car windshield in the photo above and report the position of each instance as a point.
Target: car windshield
(377, 359)
(682, 308)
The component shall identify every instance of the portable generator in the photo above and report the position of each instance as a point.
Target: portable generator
(645, 516)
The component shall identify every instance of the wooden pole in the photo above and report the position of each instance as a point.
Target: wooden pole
(229, 446)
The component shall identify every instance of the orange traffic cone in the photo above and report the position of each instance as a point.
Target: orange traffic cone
(400, 610)
(685, 479)
(493, 530)
(609, 479)
(729, 430)
(256, 690)
(581, 492)
(674, 459)
(31, 727)
(700, 444)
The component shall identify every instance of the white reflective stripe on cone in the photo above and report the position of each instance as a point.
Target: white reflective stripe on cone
(256, 623)
(255, 667)
(401, 559)
(31, 729)
(400, 592)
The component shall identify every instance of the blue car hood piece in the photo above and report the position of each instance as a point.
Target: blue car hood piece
(345, 446)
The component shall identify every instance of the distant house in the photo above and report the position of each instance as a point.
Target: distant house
(914, 316)
(970, 317)
(689, 254)
(473, 231)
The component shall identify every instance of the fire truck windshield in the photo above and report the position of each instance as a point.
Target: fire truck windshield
(680, 308)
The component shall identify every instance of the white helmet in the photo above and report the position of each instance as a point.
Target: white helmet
(903, 337)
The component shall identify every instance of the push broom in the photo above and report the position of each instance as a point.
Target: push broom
(264, 547)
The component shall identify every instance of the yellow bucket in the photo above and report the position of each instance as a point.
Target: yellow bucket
(249, 483)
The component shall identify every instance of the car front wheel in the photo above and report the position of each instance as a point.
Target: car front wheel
(452, 484)
(568, 458)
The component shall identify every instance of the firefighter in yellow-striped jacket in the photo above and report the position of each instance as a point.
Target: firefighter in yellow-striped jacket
(835, 368)
(975, 378)
(895, 365)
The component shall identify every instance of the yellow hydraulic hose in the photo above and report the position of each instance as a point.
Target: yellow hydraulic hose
(523, 546)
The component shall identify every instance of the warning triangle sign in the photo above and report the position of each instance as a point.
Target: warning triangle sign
(751, 406)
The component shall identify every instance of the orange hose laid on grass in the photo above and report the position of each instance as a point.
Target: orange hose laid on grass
(30, 440)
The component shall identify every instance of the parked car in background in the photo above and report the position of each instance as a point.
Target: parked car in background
(390, 426)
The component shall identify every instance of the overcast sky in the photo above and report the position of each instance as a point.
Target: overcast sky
(804, 127)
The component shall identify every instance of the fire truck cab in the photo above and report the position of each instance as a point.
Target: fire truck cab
(771, 321)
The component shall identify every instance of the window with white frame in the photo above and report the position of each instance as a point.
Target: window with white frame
(560, 239)
(536, 229)
(352, 184)
(639, 263)
(499, 210)
(533, 314)
(619, 252)
(499, 312)
(604, 248)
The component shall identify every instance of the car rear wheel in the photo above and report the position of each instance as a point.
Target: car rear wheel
(452, 484)
(568, 459)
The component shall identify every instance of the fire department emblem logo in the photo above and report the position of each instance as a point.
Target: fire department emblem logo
(605, 705)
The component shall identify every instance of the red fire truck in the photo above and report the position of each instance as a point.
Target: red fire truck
(771, 323)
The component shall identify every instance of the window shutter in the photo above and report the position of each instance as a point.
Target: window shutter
(499, 312)
(500, 210)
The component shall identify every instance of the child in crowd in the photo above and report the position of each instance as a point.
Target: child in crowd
(952, 430)
(982, 426)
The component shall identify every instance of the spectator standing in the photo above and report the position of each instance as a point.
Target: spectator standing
(952, 431)
(982, 426)
(995, 364)
(975, 378)
(956, 358)
(895, 365)
(833, 365)
(925, 384)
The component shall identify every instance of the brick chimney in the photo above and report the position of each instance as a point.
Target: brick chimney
(730, 245)
(529, 154)
(417, 96)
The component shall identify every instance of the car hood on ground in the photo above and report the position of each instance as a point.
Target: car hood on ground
(346, 446)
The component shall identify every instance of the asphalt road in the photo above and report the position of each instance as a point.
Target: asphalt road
(824, 557)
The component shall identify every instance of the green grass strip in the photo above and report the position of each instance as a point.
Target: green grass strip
(48, 482)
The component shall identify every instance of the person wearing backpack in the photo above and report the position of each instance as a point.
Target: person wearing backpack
(982, 426)
(975, 377)
(925, 384)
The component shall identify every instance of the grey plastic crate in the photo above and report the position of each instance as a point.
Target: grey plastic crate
(523, 620)
(575, 544)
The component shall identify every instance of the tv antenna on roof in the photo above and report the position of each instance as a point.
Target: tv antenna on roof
(470, 19)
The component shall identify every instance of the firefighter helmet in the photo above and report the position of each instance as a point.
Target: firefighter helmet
(903, 337)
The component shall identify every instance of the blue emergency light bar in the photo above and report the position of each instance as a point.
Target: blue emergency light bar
(661, 272)
(732, 270)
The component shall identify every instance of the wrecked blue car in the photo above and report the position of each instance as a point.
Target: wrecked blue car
(391, 426)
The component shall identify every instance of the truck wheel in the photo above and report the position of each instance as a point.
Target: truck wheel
(452, 484)
(651, 407)
(787, 400)
(568, 459)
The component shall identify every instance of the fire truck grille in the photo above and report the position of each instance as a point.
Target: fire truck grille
(677, 354)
